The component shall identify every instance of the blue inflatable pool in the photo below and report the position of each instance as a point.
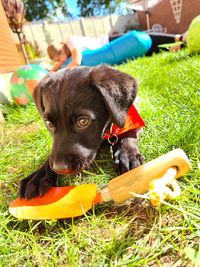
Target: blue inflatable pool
(131, 45)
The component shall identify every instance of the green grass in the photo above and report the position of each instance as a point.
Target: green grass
(133, 234)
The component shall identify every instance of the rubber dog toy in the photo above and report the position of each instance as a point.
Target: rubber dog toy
(70, 201)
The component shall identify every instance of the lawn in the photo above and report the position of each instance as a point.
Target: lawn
(132, 234)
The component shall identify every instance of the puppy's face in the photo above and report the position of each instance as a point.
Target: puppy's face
(77, 106)
(76, 116)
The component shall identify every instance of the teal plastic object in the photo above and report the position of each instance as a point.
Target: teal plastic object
(193, 38)
(131, 45)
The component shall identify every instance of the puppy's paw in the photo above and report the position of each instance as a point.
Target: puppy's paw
(32, 186)
(127, 157)
(36, 184)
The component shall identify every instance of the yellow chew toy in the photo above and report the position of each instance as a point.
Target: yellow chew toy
(164, 188)
(157, 176)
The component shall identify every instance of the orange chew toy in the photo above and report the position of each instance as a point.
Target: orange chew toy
(70, 201)
(57, 203)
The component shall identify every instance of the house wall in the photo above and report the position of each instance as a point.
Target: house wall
(10, 58)
(162, 14)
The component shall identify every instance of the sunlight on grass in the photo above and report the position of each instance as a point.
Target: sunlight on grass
(132, 234)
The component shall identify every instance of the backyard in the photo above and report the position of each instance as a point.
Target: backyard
(132, 234)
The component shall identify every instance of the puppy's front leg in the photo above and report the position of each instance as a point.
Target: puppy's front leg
(38, 182)
(126, 153)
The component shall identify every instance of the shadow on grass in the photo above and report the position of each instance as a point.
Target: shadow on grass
(139, 215)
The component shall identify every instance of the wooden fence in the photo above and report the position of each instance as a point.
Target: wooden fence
(45, 33)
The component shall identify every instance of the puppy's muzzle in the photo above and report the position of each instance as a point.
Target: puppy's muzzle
(78, 159)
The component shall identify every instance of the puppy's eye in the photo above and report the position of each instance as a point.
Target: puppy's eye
(83, 122)
(50, 126)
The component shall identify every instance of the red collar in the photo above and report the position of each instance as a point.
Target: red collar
(133, 121)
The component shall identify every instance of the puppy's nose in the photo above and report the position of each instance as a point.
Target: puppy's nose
(61, 168)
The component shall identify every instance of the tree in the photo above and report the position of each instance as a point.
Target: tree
(41, 9)
(98, 7)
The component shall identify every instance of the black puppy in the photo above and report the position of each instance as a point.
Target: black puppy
(78, 106)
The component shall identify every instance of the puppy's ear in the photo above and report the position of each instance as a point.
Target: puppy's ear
(37, 95)
(118, 90)
(45, 87)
